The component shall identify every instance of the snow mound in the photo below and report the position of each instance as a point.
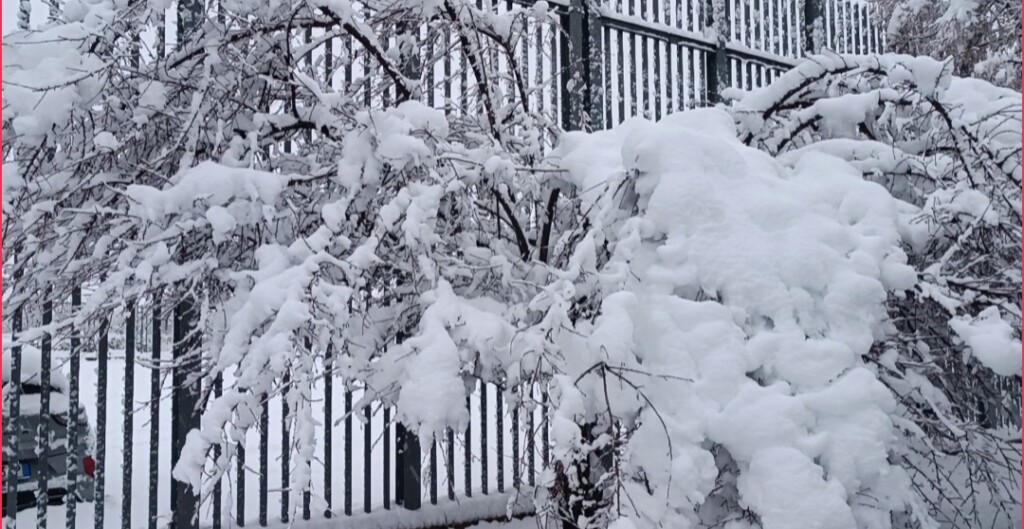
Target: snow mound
(990, 339)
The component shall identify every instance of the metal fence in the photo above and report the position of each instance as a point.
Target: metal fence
(597, 66)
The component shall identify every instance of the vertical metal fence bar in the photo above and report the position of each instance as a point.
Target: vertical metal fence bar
(306, 493)
(154, 413)
(467, 451)
(531, 442)
(499, 430)
(788, 34)
(669, 76)
(782, 28)
(12, 424)
(348, 453)
(184, 401)
(718, 78)
(545, 431)
(285, 449)
(746, 29)
(841, 27)
(463, 84)
(879, 36)
(100, 480)
(848, 27)
(240, 483)
(175, 410)
(681, 81)
(691, 80)
(620, 75)
(218, 489)
(567, 49)
(645, 75)
(759, 32)
(633, 45)
(555, 66)
(832, 41)
(865, 30)
(73, 413)
(657, 76)
(43, 428)
(388, 469)
(516, 461)
(328, 429)
(813, 27)
(367, 463)
(408, 459)
(264, 476)
(433, 470)
(449, 464)
(483, 437)
(128, 407)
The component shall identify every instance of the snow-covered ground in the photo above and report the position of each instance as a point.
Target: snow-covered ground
(116, 493)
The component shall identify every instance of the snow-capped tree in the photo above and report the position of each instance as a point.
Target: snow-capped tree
(950, 149)
(983, 36)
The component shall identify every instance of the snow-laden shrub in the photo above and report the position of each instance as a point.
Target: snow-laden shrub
(304, 220)
(984, 36)
(721, 375)
(950, 149)
(709, 353)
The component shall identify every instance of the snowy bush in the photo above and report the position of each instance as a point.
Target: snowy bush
(950, 149)
(712, 358)
(302, 218)
(984, 36)
(721, 374)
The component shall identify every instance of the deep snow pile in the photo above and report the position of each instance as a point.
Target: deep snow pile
(739, 296)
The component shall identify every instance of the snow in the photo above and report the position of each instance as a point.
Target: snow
(31, 368)
(990, 339)
(106, 140)
(713, 307)
(787, 489)
(215, 185)
(769, 367)
(43, 60)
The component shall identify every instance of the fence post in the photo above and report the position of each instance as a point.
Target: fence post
(154, 410)
(408, 453)
(581, 67)
(128, 408)
(43, 429)
(100, 455)
(719, 73)
(408, 460)
(184, 402)
(74, 408)
(12, 423)
(814, 29)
